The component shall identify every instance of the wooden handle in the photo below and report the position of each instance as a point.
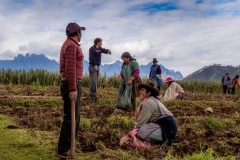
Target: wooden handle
(73, 129)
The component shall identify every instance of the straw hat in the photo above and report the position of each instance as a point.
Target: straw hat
(151, 85)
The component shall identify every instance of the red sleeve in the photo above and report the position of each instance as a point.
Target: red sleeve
(136, 73)
(70, 68)
(121, 74)
(236, 82)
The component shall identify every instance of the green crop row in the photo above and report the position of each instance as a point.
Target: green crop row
(41, 77)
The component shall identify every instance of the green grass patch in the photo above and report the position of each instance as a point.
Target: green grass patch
(20, 144)
(208, 154)
(229, 123)
(23, 144)
(106, 101)
(213, 123)
(28, 102)
(213, 103)
(86, 124)
(216, 124)
(124, 122)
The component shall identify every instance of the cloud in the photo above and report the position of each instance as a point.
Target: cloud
(139, 47)
(182, 35)
(7, 55)
(23, 48)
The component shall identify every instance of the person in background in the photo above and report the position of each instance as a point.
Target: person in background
(235, 82)
(151, 110)
(130, 71)
(225, 80)
(155, 73)
(71, 70)
(173, 91)
(95, 55)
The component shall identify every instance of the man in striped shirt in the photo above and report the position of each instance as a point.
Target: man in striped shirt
(71, 70)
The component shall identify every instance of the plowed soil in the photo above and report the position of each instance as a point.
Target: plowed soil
(194, 133)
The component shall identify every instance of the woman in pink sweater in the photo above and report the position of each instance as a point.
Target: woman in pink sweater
(235, 82)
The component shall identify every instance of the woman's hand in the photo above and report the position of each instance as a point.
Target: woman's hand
(129, 81)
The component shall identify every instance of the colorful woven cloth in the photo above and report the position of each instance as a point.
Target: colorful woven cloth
(170, 93)
(134, 141)
(125, 90)
(124, 96)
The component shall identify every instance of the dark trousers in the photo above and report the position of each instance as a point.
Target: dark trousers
(134, 103)
(169, 128)
(233, 90)
(93, 80)
(64, 143)
(226, 89)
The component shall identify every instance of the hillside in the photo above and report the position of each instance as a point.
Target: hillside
(213, 73)
(33, 61)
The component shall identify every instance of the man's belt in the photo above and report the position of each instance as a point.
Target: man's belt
(64, 79)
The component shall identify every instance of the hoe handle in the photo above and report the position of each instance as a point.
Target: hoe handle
(73, 129)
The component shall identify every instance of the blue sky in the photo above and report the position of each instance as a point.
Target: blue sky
(184, 35)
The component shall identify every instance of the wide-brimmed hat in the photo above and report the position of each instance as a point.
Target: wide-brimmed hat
(151, 85)
(155, 60)
(169, 79)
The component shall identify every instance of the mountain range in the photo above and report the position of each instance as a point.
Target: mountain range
(34, 61)
(213, 72)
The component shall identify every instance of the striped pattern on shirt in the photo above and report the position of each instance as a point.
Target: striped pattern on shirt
(71, 63)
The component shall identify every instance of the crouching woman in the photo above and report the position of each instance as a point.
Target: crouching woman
(155, 124)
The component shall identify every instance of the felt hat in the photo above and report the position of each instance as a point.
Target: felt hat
(169, 79)
(150, 84)
(155, 60)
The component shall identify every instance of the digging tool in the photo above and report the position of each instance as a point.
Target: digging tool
(73, 129)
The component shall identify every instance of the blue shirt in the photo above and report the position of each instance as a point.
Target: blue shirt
(225, 80)
(95, 55)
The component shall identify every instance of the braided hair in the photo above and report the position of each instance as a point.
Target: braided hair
(127, 55)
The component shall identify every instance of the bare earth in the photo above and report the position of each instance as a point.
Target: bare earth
(194, 133)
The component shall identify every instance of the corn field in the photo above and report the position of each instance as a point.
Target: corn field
(45, 78)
